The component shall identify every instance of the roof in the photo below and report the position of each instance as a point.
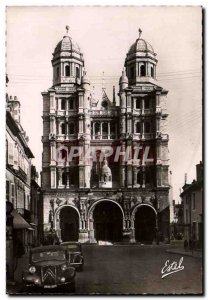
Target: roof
(47, 248)
(194, 186)
(141, 46)
(66, 44)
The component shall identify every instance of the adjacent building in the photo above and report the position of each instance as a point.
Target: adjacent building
(111, 194)
(20, 188)
(192, 202)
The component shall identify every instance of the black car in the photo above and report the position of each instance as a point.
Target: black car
(49, 268)
(75, 254)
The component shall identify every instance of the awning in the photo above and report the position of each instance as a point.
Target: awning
(19, 222)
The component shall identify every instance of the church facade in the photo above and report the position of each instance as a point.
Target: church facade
(105, 162)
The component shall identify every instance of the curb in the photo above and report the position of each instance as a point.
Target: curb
(184, 253)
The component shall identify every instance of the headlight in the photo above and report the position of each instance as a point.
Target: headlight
(63, 279)
(37, 281)
(63, 267)
(32, 269)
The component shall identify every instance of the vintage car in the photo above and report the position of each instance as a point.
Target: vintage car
(75, 254)
(49, 268)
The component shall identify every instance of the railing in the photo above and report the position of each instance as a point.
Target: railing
(103, 137)
(109, 113)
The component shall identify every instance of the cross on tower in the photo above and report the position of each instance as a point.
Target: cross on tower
(67, 29)
(140, 32)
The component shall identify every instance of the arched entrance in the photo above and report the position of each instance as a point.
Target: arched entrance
(108, 221)
(145, 224)
(69, 224)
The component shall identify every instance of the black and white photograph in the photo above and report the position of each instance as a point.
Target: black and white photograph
(104, 150)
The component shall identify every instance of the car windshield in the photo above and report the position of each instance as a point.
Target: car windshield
(72, 247)
(48, 255)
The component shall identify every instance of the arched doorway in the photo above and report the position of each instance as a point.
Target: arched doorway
(145, 224)
(69, 224)
(108, 221)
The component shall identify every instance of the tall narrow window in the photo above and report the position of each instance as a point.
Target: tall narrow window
(67, 71)
(147, 176)
(63, 104)
(147, 103)
(138, 103)
(138, 127)
(147, 127)
(71, 128)
(142, 70)
(105, 130)
(139, 177)
(64, 178)
(152, 72)
(63, 128)
(77, 72)
(71, 103)
(63, 154)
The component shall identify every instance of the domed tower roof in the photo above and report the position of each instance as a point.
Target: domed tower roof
(140, 45)
(67, 62)
(67, 45)
(141, 62)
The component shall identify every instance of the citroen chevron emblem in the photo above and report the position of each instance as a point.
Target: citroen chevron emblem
(48, 273)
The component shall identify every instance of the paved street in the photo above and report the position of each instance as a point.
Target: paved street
(135, 269)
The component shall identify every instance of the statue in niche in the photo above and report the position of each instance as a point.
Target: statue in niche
(106, 174)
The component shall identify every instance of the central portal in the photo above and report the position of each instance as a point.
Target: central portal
(108, 222)
(145, 225)
(69, 224)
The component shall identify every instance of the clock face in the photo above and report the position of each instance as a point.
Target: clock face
(9, 207)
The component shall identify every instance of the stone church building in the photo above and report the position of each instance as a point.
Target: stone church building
(111, 194)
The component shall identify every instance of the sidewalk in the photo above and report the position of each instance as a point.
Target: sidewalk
(181, 251)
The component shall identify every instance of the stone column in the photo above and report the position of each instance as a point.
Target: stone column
(135, 176)
(53, 177)
(67, 177)
(93, 130)
(129, 176)
(59, 177)
(143, 176)
(142, 106)
(53, 153)
(143, 130)
(101, 130)
(109, 133)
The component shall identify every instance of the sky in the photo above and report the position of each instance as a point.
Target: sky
(104, 35)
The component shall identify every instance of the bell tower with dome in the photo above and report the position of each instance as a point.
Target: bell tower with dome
(141, 62)
(67, 62)
(90, 195)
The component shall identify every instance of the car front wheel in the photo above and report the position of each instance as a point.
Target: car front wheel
(70, 288)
